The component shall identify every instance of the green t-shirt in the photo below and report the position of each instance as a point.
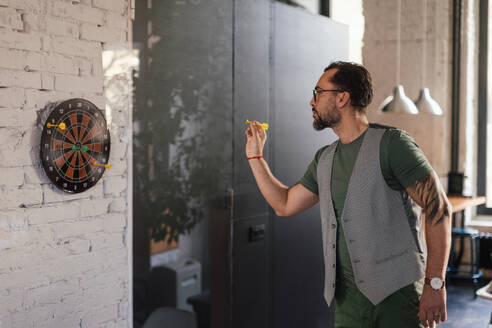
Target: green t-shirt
(402, 163)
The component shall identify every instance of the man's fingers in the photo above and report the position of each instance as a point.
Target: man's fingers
(430, 320)
(424, 318)
(262, 132)
(248, 132)
(433, 318)
(421, 315)
(254, 128)
(256, 131)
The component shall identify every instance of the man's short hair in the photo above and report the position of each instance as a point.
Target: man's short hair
(356, 80)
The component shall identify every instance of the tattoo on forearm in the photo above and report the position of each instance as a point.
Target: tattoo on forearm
(429, 194)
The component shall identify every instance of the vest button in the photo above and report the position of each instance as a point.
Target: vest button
(361, 281)
(333, 265)
(333, 245)
(351, 241)
(333, 226)
(356, 261)
(333, 285)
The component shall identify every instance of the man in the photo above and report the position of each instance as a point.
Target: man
(380, 269)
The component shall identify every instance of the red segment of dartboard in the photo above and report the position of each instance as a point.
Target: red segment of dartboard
(69, 156)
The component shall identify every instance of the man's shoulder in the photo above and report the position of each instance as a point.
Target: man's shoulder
(392, 133)
(320, 151)
(380, 126)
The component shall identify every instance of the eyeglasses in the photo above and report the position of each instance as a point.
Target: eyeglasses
(318, 91)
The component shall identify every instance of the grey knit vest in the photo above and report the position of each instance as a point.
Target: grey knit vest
(382, 226)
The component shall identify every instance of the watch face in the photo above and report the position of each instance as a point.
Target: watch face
(75, 145)
(436, 283)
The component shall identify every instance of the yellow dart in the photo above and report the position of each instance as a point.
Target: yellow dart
(264, 126)
(107, 166)
(62, 126)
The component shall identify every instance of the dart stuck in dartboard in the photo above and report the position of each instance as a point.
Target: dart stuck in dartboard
(75, 145)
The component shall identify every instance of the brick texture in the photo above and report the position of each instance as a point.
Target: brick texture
(64, 256)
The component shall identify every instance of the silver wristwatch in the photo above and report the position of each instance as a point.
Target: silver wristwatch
(436, 283)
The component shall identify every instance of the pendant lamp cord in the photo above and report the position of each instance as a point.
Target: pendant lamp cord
(398, 51)
(424, 45)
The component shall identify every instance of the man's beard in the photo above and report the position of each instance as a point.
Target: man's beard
(320, 123)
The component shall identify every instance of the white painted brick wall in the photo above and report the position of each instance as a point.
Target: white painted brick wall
(16, 40)
(117, 205)
(111, 5)
(93, 207)
(12, 97)
(64, 256)
(93, 32)
(12, 177)
(116, 21)
(69, 83)
(51, 25)
(79, 12)
(83, 66)
(39, 99)
(34, 6)
(10, 18)
(73, 47)
(18, 117)
(14, 78)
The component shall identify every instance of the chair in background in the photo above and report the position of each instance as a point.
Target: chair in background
(486, 293)
(472, 235)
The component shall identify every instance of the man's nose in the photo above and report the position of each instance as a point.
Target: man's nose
(311, 102)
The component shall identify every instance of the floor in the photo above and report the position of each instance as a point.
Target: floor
(463, 309)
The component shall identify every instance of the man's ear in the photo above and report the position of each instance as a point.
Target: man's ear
(343, 99)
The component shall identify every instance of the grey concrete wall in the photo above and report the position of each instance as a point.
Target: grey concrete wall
(425, 61)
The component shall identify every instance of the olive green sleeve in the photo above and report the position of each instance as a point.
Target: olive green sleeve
(310, 179)
(402, 161)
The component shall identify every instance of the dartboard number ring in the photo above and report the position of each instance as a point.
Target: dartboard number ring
(75, 145)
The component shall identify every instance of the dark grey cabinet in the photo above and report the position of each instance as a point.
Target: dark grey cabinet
(277, 281)
(304, 45)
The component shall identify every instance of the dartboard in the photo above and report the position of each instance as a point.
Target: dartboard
(75, 145)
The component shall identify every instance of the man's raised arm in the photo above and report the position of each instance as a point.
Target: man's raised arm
(284, 200)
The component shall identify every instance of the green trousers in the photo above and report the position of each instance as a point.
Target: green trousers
(354, 310)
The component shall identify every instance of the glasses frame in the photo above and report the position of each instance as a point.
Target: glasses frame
(319, 91)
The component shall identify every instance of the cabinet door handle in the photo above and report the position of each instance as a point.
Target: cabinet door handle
(229, 199)
(256, 233)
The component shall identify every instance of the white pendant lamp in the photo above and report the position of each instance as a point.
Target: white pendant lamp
(425, 103)
(398, 102)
